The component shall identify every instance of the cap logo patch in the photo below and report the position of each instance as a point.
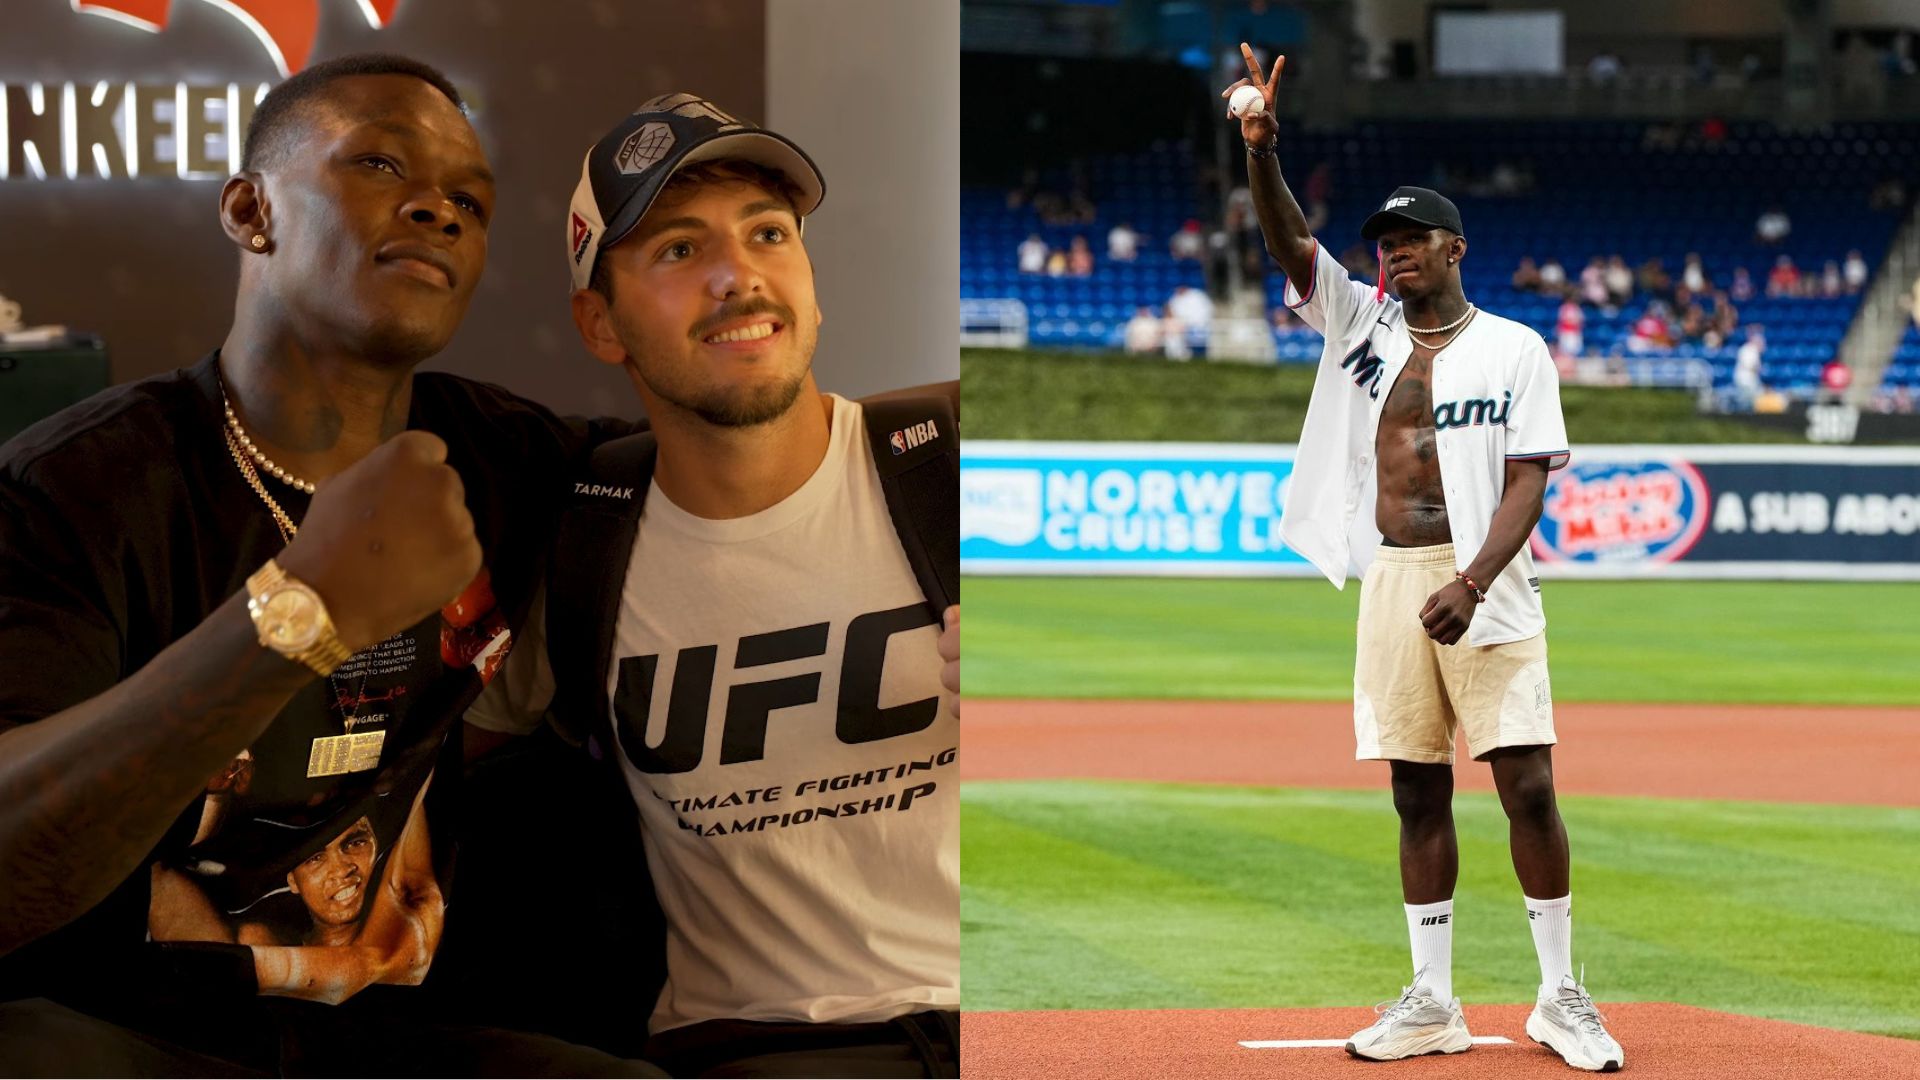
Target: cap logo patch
(582, 233)
(1401, 201)
(643, 149)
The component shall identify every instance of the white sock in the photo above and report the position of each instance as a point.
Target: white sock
(1552, 925)
(1431, 928)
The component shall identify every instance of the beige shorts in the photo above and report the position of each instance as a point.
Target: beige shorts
(1410, 691)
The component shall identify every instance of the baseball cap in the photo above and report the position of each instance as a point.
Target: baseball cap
(1416, 206)
(624, 172)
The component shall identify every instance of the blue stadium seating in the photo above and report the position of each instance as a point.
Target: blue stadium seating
(1597, 192)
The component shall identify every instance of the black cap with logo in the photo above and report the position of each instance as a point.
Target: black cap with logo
(624, 172)
(1413, 206)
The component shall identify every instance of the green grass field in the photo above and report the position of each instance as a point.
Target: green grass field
(1097, 894)
(1089, 894)
(1716, 641)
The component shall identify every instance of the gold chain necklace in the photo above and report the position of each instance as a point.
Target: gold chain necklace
(348, 707)
(265, 462)
(280, 519)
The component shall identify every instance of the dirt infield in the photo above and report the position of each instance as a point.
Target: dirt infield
(1772, 753)
(1673, 1042)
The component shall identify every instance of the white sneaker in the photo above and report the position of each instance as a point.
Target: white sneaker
(1416, 1024)
(1565, 1021)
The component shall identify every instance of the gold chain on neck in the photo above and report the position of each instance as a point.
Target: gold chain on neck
(280, 519)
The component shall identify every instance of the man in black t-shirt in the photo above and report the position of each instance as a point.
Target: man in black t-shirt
(229, 703)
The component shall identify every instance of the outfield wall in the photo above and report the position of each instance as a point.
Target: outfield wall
(1213, 510)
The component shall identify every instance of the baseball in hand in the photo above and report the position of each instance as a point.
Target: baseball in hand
(1247, 101)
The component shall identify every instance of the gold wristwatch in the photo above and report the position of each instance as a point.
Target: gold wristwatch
(292, 621)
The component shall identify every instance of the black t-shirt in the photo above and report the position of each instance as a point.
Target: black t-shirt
(124, 522)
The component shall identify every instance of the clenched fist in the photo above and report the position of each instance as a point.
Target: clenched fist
(388, 541)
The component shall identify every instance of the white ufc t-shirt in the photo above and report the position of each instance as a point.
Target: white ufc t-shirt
(776, 702)
(776, 697)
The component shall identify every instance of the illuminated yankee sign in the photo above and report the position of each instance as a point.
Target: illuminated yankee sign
(1618, 511)
(114, 128)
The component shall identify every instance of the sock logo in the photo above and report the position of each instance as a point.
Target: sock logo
(1436, 920)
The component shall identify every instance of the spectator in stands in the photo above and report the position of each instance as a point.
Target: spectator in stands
(1527, 277)
(1188, 243)
(1144, 333)
(1057, 264)
(1726, 319)
(1654, 279)
(1785, 278)
(1282, 319)
(1694, 324)
(1831, 283)
(1191, 310)
(1605, 67)
(1619, 281)
(1593, 285)
(1835, 377)
(1022, 195)
(1361, 261)
(1651, 333)
(1741, 290)
(1747, 367)
(1079, 258)
(1123, 244)
(1553, 277)
(1033, 254)
(1772, 226)
(1913, 302)
(1570, 329)
(1694, 274)
(1900, 63)
(1863, 77)
(1888, 194)
(1855, 271)
(1318, 190)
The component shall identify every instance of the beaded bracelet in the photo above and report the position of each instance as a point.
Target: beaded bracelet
(1478, 596)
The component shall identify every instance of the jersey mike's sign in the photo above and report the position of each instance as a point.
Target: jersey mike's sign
(120, 128)
(1597, 511)
(1733, 511)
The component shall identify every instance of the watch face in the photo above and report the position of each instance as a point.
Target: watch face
(290, 619)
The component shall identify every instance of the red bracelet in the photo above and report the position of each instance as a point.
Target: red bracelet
(1478, 596)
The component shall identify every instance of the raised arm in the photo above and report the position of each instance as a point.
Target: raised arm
(1281, 222)
(92, 788)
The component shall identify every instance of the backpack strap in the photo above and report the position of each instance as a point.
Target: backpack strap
(916, 447)
(592, 545)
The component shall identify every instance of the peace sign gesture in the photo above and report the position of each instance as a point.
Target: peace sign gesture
(1259, 130)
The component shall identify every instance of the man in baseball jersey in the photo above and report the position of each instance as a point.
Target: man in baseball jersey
(1445, 420)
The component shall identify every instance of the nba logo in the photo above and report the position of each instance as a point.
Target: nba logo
(899, 442)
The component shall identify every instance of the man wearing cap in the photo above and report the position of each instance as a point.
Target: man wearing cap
(1445, 419)
(769, 683)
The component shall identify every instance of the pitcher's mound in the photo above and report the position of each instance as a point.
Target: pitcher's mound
(1661, 1040)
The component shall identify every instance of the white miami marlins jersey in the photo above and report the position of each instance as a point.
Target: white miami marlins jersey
(1496, 398)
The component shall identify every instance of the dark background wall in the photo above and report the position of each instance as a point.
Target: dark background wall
(142, 261)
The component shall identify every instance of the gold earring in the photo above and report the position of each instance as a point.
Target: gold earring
(259, 242)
